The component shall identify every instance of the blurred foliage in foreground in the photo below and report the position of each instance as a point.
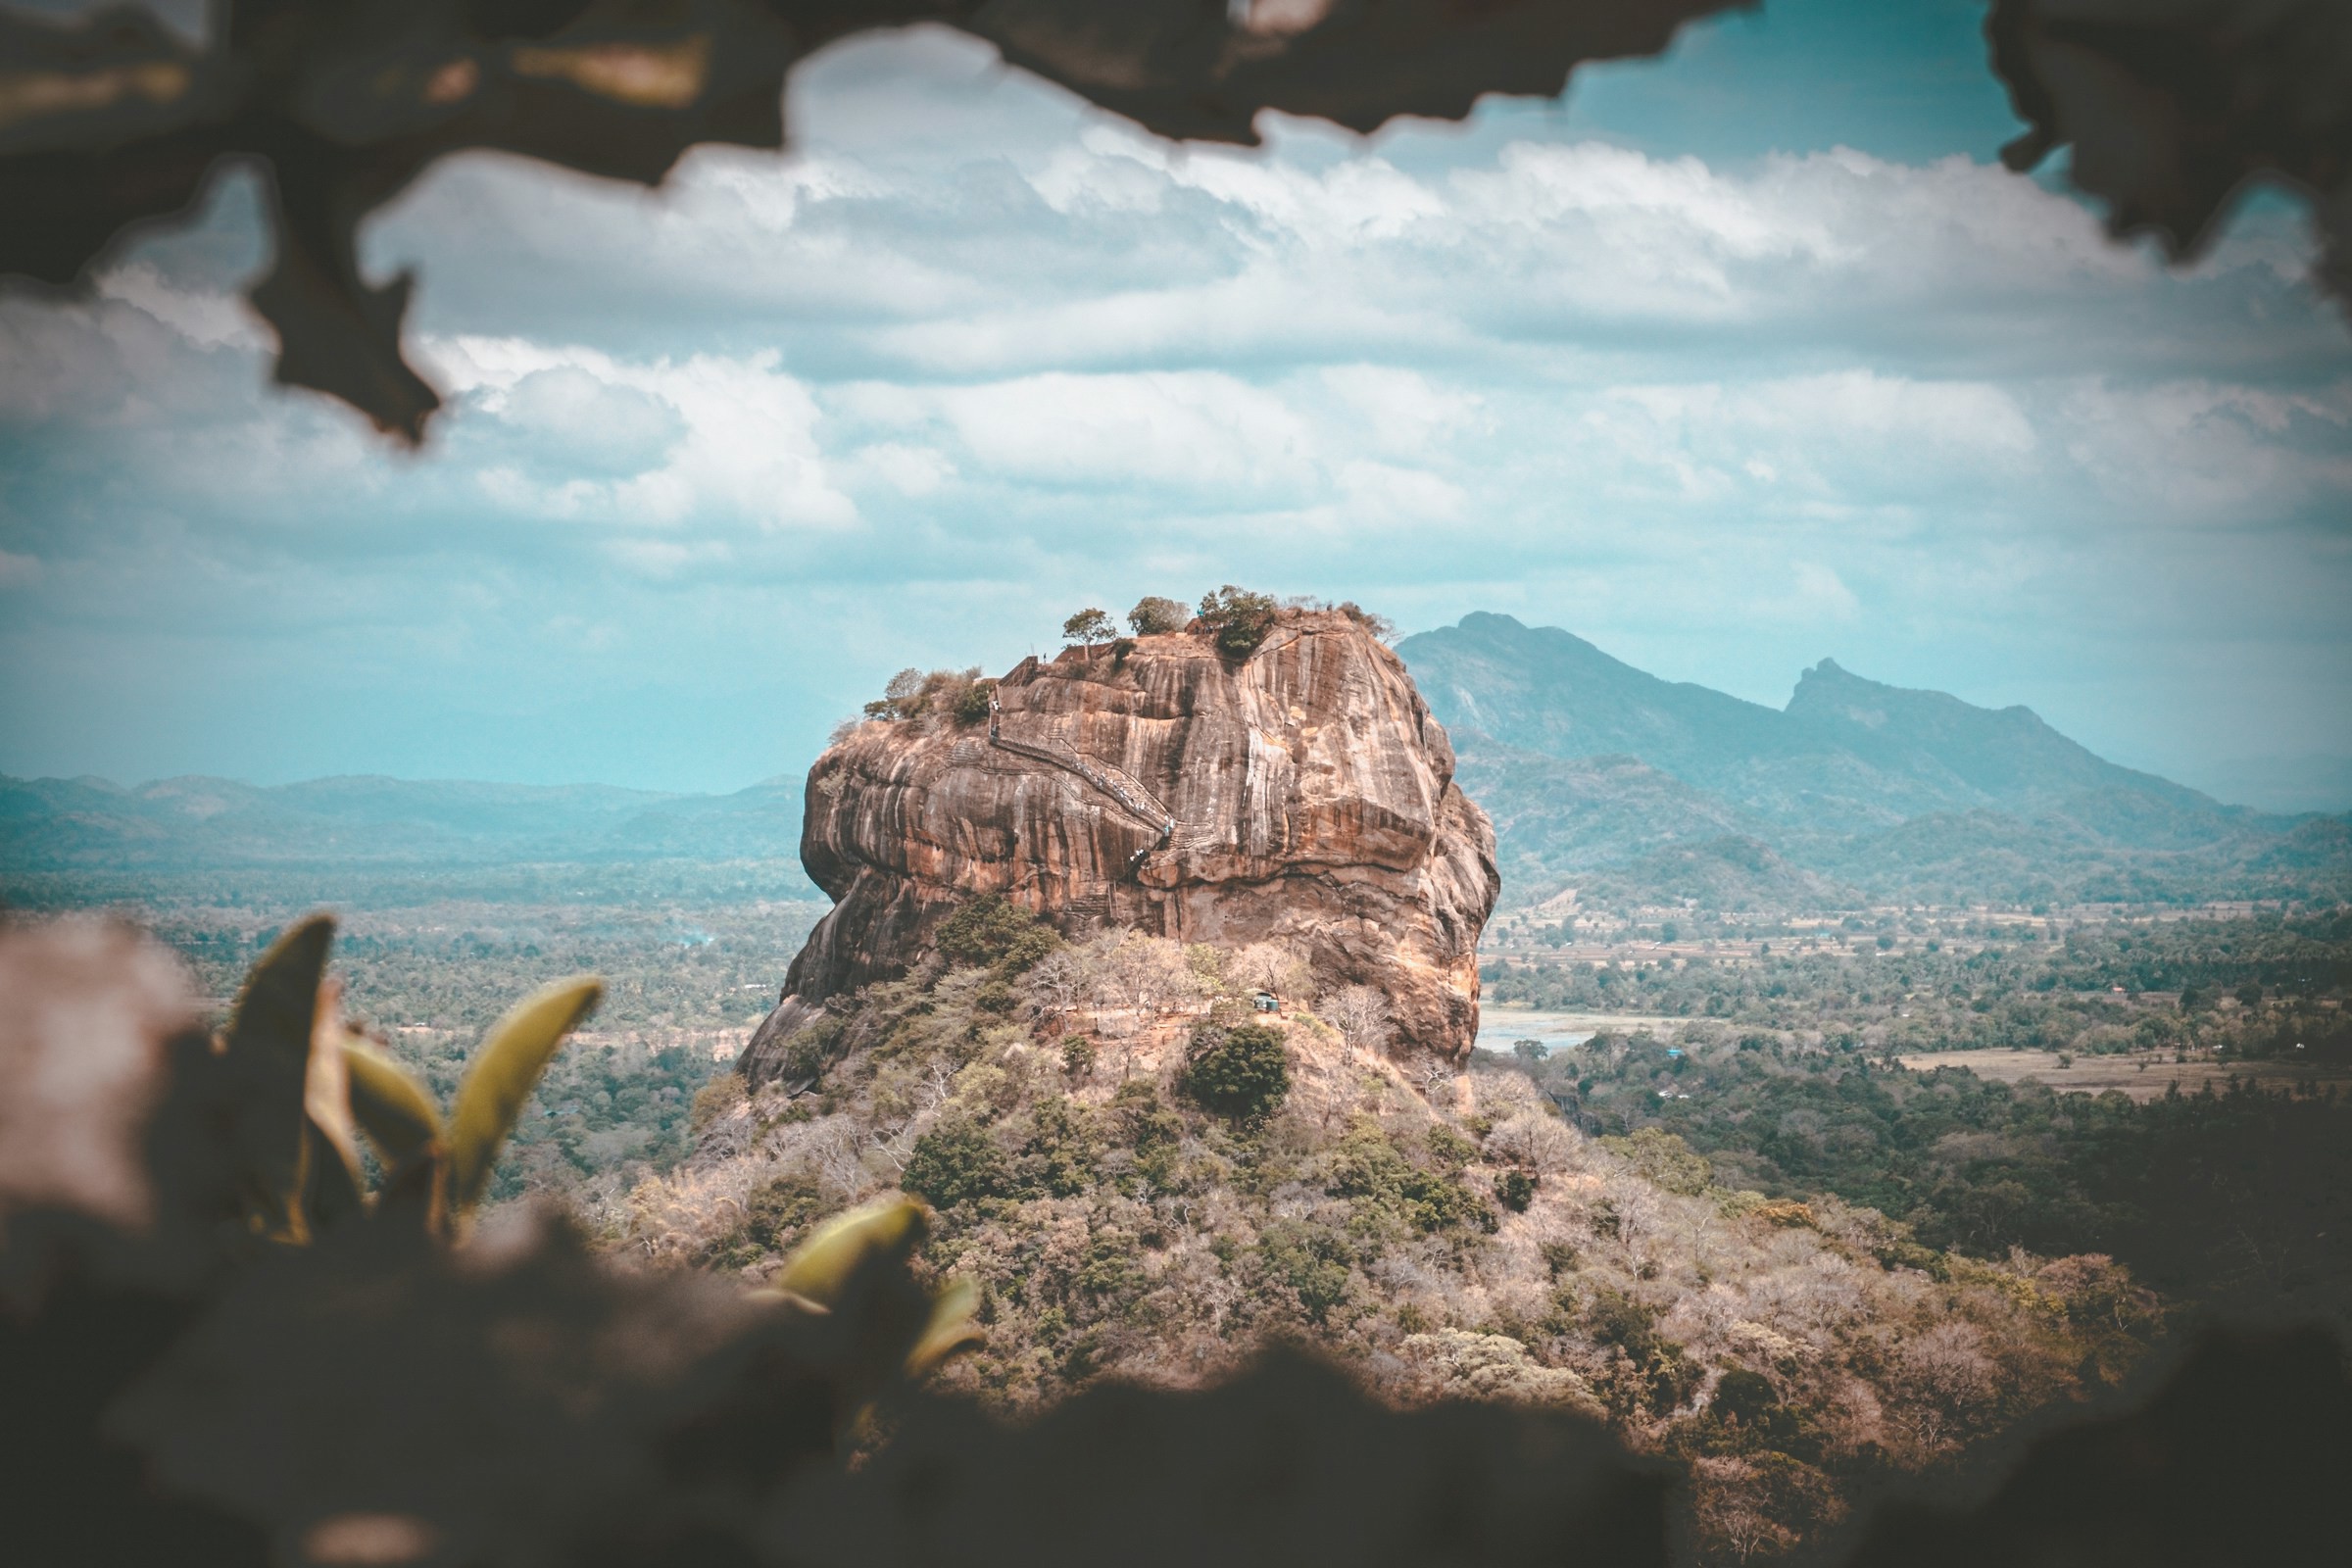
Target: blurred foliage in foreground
(221, 1349)
(428, 964)
(1148, 1179)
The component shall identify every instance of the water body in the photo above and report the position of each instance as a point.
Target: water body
(1498, 1027)
(1499, 1031)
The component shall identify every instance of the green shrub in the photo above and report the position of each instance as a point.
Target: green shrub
(1060, 1153)
(1155, 616)
(1078, 1055)
(1311, 1259)
(1391, 1189)
(776, 1216)
(1143, 1122)
(1449, 1148)
(806, 1052)
(1243, 1072)
(1665, 1160)
(722, 1093)
(955, 1162)
(992, 930)
(1089, 626)
(1238, 618)
(913, 693)
(1139, 1120)
(971, 704)
(1515, 1190)
(1110, 1268)
(1612, 1317)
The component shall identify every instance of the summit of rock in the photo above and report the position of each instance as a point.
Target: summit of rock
(1301, 795)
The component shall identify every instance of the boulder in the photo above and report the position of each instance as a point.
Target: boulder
(1301, 795)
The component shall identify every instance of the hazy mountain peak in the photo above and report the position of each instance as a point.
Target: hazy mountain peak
(1848, 760)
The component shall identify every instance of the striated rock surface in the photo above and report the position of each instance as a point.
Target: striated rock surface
(1303, 795)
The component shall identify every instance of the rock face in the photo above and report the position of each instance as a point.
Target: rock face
(1301, 795)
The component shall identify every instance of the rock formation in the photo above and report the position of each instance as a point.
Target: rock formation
(1301, 795)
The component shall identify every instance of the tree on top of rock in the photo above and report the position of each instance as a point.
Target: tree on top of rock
(1155, 616)
(1090, 626)
(1238, 618)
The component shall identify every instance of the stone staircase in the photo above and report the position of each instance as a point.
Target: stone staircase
(1048, 742)
(1047, 745)
(1093, 907)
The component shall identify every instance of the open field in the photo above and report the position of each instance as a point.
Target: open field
(1499, 1024)
(2142, 1074)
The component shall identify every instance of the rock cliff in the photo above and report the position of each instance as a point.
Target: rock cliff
(1301, 795)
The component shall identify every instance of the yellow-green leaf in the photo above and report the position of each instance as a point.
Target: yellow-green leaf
(266, 1052)
(326, 1100)
(504, 1072)
(394, 1109)
(839, 1248)
(950, 1328)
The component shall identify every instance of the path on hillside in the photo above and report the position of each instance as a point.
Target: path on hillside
(1130, 792)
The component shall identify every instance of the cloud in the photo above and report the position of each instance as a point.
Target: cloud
(976, 356)
(1194, 431)
(579, 424)
(713, 441)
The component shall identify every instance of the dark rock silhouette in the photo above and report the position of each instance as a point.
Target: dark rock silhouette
(2236, 1458)
(180, 1392)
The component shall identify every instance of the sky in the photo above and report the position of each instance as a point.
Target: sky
(1730, 362)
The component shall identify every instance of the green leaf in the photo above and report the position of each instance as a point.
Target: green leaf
(266, 1055)
(950, 1328)
(394, 1109)
(825, 1262)
(504, 1072)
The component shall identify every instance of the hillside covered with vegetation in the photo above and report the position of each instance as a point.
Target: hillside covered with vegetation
(1149, 1180)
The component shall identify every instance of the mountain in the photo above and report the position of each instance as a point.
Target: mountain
(1592, 771)
(199, 824)
(1596, 775)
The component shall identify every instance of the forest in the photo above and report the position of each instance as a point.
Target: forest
(2253, 987)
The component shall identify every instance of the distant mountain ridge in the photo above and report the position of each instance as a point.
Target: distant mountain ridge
(193, 823)
(1597, 773)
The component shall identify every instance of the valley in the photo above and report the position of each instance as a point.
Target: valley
(1809, 1142)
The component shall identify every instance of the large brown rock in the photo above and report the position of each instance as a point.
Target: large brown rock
(1303, 795)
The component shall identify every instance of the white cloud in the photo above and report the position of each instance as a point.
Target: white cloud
(1821, 595)
(1406, 411)
(980, 348)
(1189, 431)
(712, 441)
(207, 318)
(2215, 456)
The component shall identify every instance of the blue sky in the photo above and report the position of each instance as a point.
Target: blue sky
(1730, 362)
